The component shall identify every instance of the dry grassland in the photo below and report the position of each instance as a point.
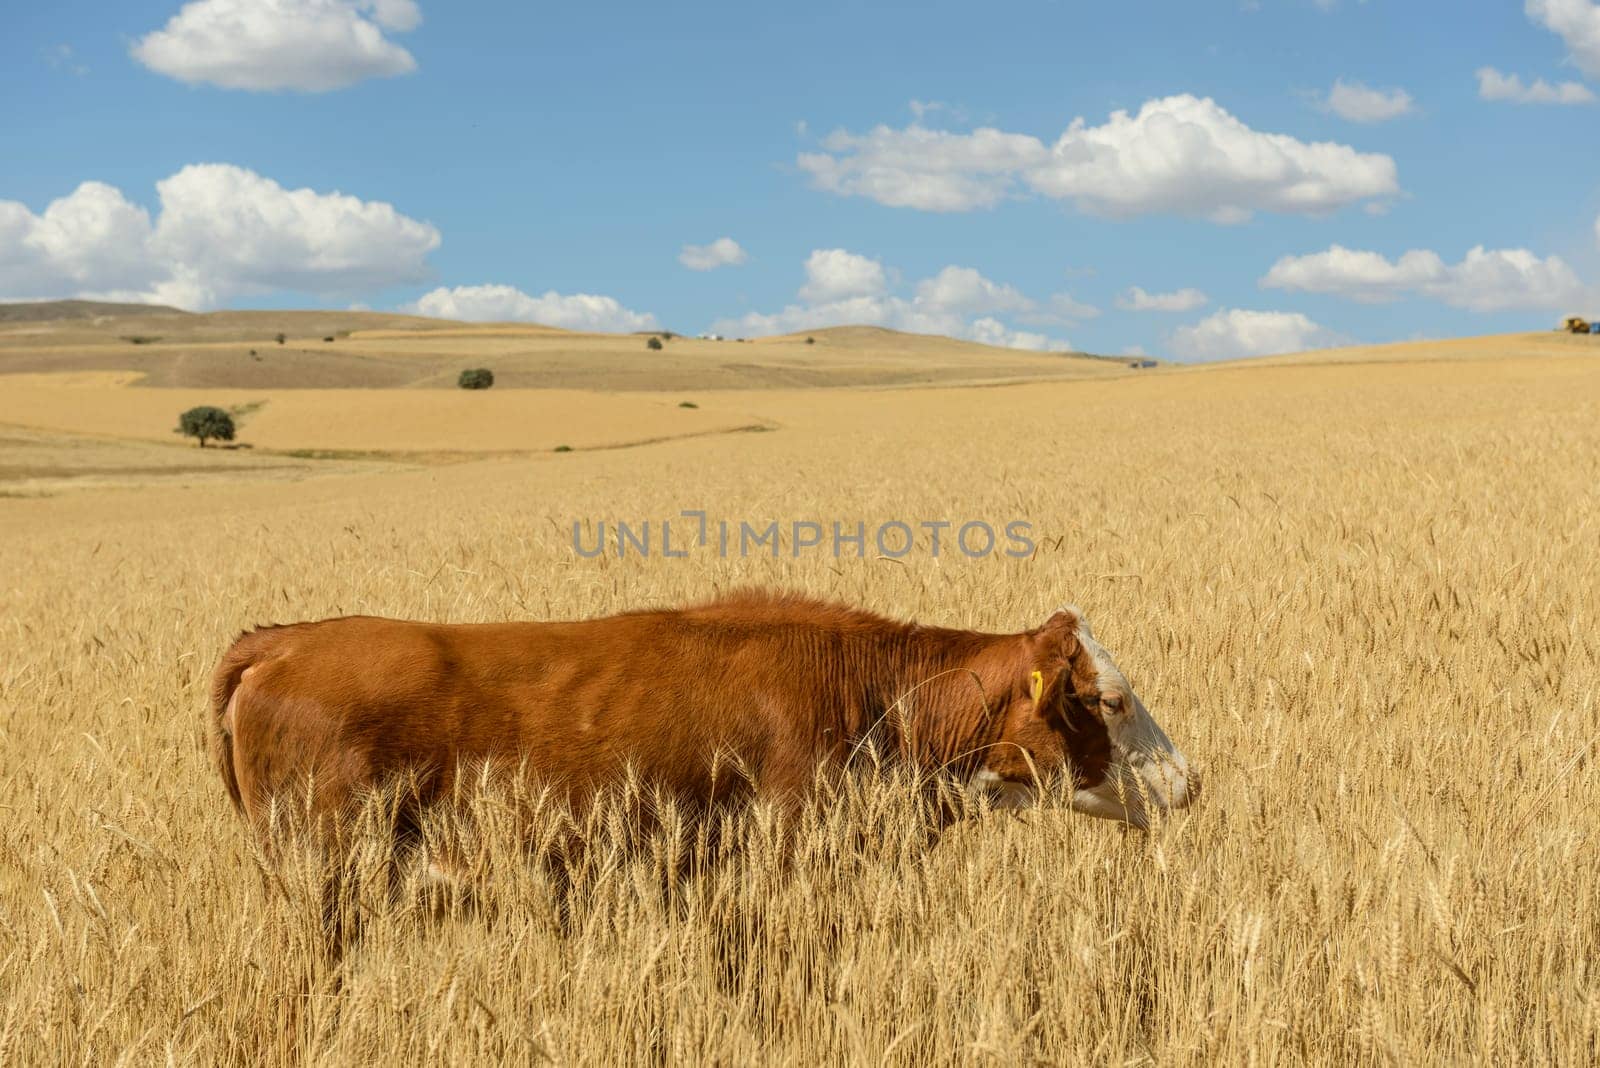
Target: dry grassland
(396, 421)
(112, 473)
(1364, 599)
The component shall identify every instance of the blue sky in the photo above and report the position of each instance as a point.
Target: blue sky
(1285, 174)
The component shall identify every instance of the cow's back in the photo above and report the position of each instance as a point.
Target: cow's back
(345, 703)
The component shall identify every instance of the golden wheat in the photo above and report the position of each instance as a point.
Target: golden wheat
(1364, 599)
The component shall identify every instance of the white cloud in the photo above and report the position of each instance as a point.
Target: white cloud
(496, 303)
(990, 331)
(1180, 155)
(851, 311)
(222, 231)
(1367, 277)
(1134, 298)
(1577, 22)
(1493, 85)
(1235, 332)
(832, 274)
(1359, 103)
(964, 291)
(94, 240)
(240, 232)
(1191, 157)
(307, 45)
(1484, 280)
(846, 289)
(723, 252)
(931, 170)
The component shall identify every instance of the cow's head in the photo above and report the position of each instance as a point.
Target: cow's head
(1073, 712)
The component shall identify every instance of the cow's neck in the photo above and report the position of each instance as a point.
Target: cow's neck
(940, 695)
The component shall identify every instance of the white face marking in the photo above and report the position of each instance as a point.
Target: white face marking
(1147, 770)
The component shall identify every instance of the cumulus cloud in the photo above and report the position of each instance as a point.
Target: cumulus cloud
(1179, 155)
(1134, 298)
(243, 233)
(991, 331)
(1493, 85)
(1359, 103)
(846, 289)
(723, 252)
(964, 291)
(930, 170)
(222, 231)
(1484, 280)
(307, 45)
(792, 318)
(497, 303)
(94, 240)
(1189, 156)
(1235, 332)
(1577, 23)
(832, 274)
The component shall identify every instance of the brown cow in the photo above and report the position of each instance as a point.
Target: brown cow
(781, 684)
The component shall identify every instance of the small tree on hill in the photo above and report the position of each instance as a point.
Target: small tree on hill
(476, 378)
(282, 338)
(206, 423)
(653, 344)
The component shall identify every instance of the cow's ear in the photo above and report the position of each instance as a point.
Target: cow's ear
(1058, 637)
(1054, 644)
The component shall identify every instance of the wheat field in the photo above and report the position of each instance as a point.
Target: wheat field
(1362, 598)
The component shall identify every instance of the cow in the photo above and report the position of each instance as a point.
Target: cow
(775, 684)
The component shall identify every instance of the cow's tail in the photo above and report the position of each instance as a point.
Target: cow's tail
(244, 652)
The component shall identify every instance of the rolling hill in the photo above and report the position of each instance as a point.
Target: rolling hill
(372, 350)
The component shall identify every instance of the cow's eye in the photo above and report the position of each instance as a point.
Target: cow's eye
(1112, 702)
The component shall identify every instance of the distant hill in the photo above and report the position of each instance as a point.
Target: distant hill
(869, 338)
(162, 347)
(40, 311)
(1484, 347)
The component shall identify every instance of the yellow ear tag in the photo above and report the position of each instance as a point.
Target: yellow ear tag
(1038, 685)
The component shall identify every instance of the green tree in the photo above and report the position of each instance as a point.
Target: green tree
(654, 344)
(206, 423)
(476, 378)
